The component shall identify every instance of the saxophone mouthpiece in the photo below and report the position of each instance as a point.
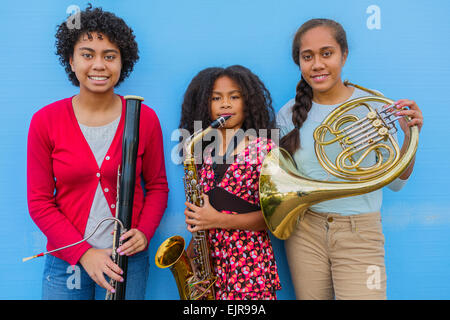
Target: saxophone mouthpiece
(219, 122)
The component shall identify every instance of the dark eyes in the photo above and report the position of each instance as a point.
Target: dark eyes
(90, 56)
(325, 54)
(233, 97)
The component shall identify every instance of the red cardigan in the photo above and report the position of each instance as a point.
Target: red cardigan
(62, 176)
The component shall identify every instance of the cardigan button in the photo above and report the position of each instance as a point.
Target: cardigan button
(107, 158)
(113, 206)
(98, 174)
(106, 190)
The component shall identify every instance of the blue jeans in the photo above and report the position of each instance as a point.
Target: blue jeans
(61, 281)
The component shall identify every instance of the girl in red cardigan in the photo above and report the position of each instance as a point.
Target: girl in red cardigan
(74, 150)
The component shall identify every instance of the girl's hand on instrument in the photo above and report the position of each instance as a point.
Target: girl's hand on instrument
(412, 111)
(137, 242)
(97, 262)
(202, 218)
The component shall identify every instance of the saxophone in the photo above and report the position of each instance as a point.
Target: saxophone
(194, 276)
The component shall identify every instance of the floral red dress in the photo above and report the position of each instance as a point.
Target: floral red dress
(243, 260)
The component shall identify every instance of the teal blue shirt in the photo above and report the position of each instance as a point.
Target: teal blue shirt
(310, 167)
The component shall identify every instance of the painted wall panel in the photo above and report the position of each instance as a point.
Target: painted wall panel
(401, 51)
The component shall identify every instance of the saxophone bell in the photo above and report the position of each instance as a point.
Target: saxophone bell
(193, 275)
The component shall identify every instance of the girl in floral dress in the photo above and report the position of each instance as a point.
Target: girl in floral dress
(242, 254)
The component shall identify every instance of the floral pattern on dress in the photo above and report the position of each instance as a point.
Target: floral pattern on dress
(243, 260)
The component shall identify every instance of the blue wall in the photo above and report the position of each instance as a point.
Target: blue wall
(407, 57)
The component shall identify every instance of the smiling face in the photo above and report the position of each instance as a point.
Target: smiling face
(227, 99)
(97, 63)
(321, 60)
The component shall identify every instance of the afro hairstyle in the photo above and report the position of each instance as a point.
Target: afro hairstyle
(95, 20)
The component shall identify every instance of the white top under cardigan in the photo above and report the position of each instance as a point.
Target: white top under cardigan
(99, 140)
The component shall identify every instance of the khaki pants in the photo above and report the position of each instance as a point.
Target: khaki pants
(337, 257)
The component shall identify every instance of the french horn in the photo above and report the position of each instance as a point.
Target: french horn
(285, 194)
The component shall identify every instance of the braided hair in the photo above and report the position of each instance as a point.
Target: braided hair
(304, 93)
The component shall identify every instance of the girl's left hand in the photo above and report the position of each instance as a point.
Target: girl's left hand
(201, 218)
(413, 112)
(136, 243)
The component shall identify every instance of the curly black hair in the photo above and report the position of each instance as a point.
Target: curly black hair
(258, 110)
(95, 20)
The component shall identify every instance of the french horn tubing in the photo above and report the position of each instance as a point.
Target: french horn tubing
(286, 194)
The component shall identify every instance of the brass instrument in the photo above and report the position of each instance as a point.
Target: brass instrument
(194, 277)
(285, 194)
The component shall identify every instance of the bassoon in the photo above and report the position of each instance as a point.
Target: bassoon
(126, 180)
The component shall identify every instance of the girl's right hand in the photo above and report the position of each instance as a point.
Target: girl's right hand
(97, 262)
